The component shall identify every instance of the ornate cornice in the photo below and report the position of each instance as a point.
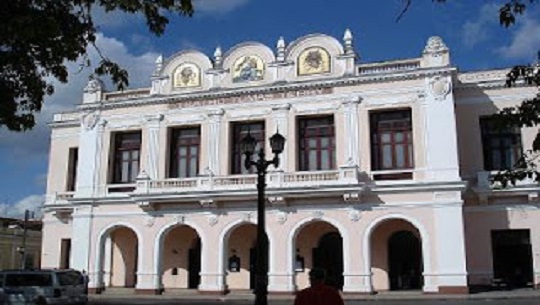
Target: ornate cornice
(268, 89)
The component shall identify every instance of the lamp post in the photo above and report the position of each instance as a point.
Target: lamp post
(247, 146)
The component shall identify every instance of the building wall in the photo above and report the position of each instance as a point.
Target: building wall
(150, 228)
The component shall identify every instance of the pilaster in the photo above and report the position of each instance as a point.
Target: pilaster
(440, 133)
(351, 131)
(450, 275)
(82, 228)
(153, 124)
(212, 269)
(90, 150)
(281, 122)
(214, 136)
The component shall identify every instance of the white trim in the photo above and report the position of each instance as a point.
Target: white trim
(158, 247)
(425, 241)
(100, 249)
(293, 234)
(223, 240)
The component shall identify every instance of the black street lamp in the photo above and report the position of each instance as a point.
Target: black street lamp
(247, 146)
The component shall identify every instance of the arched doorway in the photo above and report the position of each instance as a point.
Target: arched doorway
(194, 264)
(328, 255)
(318, 244)
(239, 260)
(404, 261)
(122, 258)
(180, 258)
(396, 256)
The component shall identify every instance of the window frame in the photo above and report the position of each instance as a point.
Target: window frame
(403, 125)
(73, 160)
(118, 149)
(176, 142)
(239, 130)
(319, 132)
(488, 134)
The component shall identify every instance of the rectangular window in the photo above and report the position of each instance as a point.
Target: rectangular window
(65, 253)
(73, 159)
(316, 142)
(184, 152)
(391, 141)
(502, 148)
(127, 149)
(239, 132)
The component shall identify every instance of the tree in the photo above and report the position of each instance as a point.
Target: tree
(38, 38)
(527, 114)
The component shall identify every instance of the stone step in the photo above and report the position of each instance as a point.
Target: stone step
(118, 291)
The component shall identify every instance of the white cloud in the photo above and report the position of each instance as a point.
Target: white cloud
(32, 203)
(525, 41)
(35, 143)
(217, 6)
(475, 32)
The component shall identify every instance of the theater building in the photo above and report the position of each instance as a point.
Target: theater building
(384, 180)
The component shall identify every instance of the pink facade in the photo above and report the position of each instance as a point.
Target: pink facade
(383, 181)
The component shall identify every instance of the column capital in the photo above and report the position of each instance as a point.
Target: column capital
(283, 107)
(215, 113)
(153, 118)
(355, 100)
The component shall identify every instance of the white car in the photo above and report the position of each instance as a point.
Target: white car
(43, 287)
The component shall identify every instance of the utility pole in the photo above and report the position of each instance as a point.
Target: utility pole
(22, 250)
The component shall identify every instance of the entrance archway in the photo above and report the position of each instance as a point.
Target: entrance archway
(239, 250)
(396, 256)
(329, 256)
(123, 258)
(404, 261)
(180, 264)
(319, 244)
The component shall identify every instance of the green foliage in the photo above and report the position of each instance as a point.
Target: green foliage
(527, 114)
(38, 38)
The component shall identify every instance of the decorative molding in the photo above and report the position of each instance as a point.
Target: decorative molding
(180, 219)
(434, 45)
(354, 215)
(277, 200)
(248, 216)
(440, 87)
(281, 217)
(90, 119)
(352, 197)
(149, 221)
(208, 203)
(213, 220)
(317, 214)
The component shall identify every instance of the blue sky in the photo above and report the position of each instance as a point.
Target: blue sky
(469, 28)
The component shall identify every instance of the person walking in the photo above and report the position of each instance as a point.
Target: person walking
(318, 293)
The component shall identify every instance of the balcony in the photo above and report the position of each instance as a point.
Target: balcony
(486, 189)
(276, 181)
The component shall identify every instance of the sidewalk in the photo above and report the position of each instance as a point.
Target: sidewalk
(408, 295)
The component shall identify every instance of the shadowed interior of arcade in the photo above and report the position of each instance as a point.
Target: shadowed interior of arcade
(396, 256)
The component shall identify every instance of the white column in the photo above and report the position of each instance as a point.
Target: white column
(440, 138)
(90, 153)
(281, 258)
(214, 137)
(107, 262)
(351, 131)
(450, 273)
(213, 263)
(153, 123)
(281, 121)
(82, 226)
(354, 277)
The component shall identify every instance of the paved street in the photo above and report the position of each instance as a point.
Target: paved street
(516, 297)
(348, 302)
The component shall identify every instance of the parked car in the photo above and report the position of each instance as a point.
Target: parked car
(43, 287)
